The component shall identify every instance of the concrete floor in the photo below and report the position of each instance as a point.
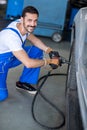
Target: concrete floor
(15, 112)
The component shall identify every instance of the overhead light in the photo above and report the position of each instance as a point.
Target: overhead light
(2, 2)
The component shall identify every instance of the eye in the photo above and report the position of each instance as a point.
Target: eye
(29, 20)
(36, 20)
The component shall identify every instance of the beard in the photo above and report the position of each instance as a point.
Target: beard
(29, 28)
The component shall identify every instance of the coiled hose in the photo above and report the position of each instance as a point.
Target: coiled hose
(45, 77)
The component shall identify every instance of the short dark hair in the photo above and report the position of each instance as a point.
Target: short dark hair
(30, 9)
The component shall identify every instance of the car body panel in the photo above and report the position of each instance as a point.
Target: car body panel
(80, 22)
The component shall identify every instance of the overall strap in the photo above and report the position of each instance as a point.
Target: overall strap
(16, 33)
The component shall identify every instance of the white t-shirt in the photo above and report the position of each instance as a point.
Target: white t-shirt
(9, 40)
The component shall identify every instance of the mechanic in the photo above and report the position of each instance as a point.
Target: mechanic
(13, 52)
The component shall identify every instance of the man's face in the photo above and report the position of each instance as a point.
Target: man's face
(30, 22)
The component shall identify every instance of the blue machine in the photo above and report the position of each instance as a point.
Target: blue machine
(52, 16)
(73, 13)
(14, 8)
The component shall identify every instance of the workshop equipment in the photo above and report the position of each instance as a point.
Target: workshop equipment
(14, 9)
(52, 15)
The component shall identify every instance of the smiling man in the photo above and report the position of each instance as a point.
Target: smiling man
(13, 52)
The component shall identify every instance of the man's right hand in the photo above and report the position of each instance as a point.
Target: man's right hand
(53, 63)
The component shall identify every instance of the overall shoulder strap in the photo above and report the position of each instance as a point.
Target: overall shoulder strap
(16, 33)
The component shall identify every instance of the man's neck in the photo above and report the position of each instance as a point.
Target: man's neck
(21, 29)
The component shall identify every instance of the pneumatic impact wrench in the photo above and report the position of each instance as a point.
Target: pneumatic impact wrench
(55, 54)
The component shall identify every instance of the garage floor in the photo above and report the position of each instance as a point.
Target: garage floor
(15, 112)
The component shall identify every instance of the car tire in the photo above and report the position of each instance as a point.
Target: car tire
(73, 118)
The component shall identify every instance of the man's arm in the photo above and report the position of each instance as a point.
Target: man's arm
(28, 62)
(37, 42)
(33, 63)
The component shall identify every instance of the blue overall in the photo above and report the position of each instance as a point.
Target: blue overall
(8, 60)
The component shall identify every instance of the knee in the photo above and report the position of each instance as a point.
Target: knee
(35, 52)
(3, 95)
(36, 49)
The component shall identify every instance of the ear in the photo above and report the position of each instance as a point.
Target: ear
(22, 19)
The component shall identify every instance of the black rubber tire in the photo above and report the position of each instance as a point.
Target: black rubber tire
(71, 67)
(73, 118)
